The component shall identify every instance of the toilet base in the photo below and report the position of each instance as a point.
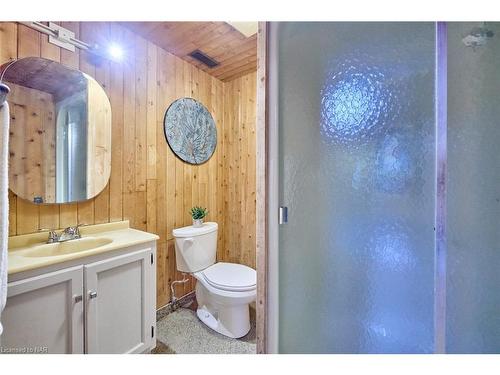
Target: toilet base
(223, 315)
(238, 325)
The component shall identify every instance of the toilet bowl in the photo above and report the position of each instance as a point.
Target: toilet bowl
(223, 290)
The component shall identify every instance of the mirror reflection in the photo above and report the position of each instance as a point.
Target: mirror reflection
(60, 132)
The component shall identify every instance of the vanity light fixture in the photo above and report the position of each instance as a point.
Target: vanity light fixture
(58, 35)
(65, 38)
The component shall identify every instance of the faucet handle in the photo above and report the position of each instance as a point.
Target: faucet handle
(73, 231)
(53, 236)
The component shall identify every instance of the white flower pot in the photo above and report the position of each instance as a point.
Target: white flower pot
(197, 223)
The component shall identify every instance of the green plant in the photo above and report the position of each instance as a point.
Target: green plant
(198, 212)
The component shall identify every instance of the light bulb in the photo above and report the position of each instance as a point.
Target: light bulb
(115, 52)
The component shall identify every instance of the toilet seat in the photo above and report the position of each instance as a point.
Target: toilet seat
(230, 277)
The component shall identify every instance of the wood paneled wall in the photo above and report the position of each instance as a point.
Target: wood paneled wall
(239, 169)
(149, 185)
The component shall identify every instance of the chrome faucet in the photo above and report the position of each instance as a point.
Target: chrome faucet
(70, 233)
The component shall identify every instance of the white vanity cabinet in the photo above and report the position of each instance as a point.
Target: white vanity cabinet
(104, 304)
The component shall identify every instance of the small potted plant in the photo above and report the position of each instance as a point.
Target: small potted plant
(198, 213)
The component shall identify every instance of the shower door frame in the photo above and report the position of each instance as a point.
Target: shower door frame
(261, 169)
(269, 232)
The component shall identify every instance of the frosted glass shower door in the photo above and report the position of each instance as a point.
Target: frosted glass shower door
(357, 173)
(473, 215)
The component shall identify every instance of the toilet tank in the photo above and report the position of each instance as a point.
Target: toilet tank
(195, 248)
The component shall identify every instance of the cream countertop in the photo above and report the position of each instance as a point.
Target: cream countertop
(120, 234)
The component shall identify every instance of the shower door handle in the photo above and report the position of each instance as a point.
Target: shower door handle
(283, 215)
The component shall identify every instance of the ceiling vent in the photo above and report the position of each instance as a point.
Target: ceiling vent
(200, 56)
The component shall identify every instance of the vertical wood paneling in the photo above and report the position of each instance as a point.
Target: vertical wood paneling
(179, 166)
(165, 170)
(219, 154)
(28, 215)
(141, 80)
(129, 142)
(117, 132)
(149, 185)
(151, 124)
(239, 184)
(8, 41)
(12, 214)
(103, 77)
(140, 167)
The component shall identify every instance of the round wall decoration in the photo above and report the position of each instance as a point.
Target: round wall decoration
(190, 130)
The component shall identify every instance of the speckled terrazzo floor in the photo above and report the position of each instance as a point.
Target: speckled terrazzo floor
(181, 332)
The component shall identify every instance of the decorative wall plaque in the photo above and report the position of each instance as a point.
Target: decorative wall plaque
(190, 130)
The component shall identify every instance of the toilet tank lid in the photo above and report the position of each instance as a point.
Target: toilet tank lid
(191, 231)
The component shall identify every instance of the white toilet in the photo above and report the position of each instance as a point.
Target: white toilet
(224, 290)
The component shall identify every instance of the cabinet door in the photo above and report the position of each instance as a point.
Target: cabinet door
(45, 313)
(120, 296)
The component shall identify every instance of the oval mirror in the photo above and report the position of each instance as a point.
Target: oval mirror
(60, 132)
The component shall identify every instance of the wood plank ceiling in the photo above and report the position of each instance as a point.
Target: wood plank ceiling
(236, 53)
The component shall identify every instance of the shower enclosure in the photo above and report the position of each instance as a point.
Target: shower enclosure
(385, 150)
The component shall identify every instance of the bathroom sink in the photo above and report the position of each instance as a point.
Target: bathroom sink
(67, 247)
